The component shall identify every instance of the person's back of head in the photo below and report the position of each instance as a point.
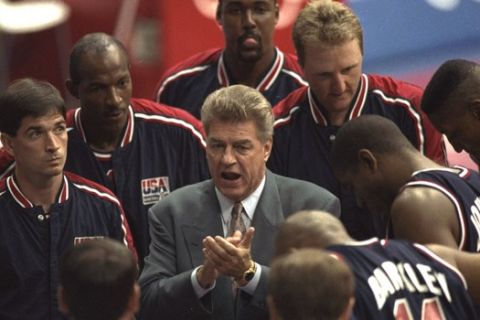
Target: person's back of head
(239, 103)
(309, 229)
(98, 281)
(377, 134)
(325, 23)
(28, 97)
(310, 284)
(446, 81)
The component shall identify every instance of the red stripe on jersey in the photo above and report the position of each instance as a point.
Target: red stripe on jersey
(316, 113)
(17, 195)
(272, 74)
(361, 98)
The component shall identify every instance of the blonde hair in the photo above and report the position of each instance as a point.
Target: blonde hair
(239, 103)
(325, 22)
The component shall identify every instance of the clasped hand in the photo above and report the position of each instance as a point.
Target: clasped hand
(227, 256)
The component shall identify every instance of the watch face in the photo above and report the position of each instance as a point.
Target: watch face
(249, 275)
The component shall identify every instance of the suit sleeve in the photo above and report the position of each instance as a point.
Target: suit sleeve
(254, 306)
(167, 294)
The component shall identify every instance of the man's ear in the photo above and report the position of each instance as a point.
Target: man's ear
(347, 313)
(218, 14)
(72, 88)
(7, 143)
(272, 310)
(62, 305)
(134, 301)
(367, 160)
(475, 108)
(277, 12)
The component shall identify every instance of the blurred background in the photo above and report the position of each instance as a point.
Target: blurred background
(407, 39)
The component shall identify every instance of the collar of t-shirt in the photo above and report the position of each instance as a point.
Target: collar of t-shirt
(249, 205)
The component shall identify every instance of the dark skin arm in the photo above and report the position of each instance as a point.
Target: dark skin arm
(467, 263)
(425, 215)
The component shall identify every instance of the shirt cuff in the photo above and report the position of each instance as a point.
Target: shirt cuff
(251, 286)
(199, 290)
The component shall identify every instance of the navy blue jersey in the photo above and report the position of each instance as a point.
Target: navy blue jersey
(303, 138)
(162, 149)
(462, 187)
(32, 242)
(399, 280)
(187, 84)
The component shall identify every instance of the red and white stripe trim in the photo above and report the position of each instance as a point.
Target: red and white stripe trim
(127, 136)
(361, 98)
(434, 256)
(179, 75)
(174, 121)
(412, 113)
(23, 201)
(267, 80)
(317, 115)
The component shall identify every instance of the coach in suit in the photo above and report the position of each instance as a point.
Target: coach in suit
(212, 241)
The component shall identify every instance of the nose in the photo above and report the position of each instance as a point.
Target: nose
(248, 19)
(228, 156)
(338, 84)
(113, 96)
(52, 143)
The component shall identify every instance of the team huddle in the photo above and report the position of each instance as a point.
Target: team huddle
(257, 185)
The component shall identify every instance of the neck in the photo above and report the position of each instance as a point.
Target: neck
(40, 191)
(337, 118)
(248, 73)
(103, 138)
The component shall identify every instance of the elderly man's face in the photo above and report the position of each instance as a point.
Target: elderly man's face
(236, 157)
(248, 27)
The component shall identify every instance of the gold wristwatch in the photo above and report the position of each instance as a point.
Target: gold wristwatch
(248, 275)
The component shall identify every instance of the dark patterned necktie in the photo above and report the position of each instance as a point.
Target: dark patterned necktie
(236, 223)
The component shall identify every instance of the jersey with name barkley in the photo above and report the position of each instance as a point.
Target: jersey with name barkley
(399, 280)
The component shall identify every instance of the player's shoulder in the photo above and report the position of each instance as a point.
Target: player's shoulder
(291, 63)
(394, 88)
(199, 59)
(91, 188)
(286, 107)
(165, 115)
(70, 117)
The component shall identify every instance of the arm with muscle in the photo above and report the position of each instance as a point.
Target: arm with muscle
(425, 215)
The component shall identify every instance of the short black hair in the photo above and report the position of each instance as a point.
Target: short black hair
(375, 133)
(97, 42)
(28, 97)
(98, 278)
(444, 82)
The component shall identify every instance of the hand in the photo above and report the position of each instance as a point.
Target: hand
(230, 256)
(207, 274)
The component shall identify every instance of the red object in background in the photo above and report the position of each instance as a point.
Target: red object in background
(165, 32)
(189, 26)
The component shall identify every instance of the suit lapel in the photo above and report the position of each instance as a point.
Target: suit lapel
(268, 215)
(205, 220)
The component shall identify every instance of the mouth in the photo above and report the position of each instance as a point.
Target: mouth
(114, 113)
(249, 41)
(230, 176)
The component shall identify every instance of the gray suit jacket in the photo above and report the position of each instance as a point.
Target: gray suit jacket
(178, 224)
